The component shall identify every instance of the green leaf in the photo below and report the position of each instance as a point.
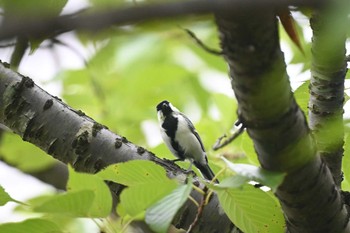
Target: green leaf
(25, 157)
(135, 200)
(248, 148)
(101, 205)
(5, 197)
(251, 172)
(147, 182)
(134, 172)
(302, 96)
(76, 204)
(252, 209)
(31, 226)
(235, 181)
(160, 215)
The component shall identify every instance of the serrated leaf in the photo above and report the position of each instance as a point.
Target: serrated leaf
(76, 204)
(160, 215)
(134, 172)
(254, 173)
(235, 181)
(5, 197)
(252, 209)
(26, 157)
(31, 226)
(136, 199)
(101, 205)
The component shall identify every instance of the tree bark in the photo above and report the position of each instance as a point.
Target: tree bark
(276, 124)
(328, 73)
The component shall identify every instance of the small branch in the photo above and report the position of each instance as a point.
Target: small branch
(8, 45)
(218, 144)
(17, 55)
(348, 58)
(201, 44)
(200, 209)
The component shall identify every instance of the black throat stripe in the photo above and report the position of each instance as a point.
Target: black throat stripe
(170, 126)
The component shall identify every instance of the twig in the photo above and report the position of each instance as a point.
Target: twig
(218, 144)
(8, 45)
(194, 201)
(348, 58)
(201, 44)
(200, 210)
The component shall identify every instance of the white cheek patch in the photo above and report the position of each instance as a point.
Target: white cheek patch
(173, 108)
(160, 116)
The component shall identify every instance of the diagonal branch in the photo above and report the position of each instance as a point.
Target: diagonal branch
(40, 27)
(72, 137)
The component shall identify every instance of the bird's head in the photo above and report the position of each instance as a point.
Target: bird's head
(164, 109)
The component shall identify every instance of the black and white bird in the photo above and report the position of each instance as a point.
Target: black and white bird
(182, 139)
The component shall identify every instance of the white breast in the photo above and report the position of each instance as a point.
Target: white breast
(189, 142)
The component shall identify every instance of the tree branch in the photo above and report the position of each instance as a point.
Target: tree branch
(40, 27)
(72, 137)
(328, 73)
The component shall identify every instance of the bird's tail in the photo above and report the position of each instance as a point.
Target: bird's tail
(206, 171)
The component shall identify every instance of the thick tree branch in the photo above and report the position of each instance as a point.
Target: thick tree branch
(328, 72)
(72, 137)
(40, 27)
(277, 125)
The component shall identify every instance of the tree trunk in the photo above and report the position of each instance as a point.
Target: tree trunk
(276, 124)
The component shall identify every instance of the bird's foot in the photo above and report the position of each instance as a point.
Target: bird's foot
(189, 172)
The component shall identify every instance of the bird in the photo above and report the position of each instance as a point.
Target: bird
(182, 139)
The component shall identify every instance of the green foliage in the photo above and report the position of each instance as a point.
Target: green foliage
(38, 225)
(5, 197)
(75, 204)
(246, 172)
(131, 69)
(34, 7)
(147, 69)
(101, 205)
(87, 196)
(302, 96)
(252, 209)
(146, 184)
(25, 157)
(135, 172)
(160, 215)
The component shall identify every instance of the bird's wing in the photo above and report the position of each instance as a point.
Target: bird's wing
(193, 130)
